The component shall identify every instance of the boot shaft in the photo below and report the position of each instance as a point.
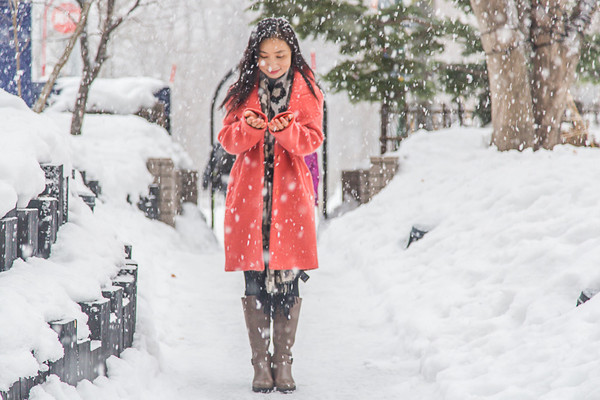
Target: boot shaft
(258, 326)
(284, 337)
(259, 332)
(284, 330)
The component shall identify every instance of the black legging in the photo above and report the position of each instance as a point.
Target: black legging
(255, 286)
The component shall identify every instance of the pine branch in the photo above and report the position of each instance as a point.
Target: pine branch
(467, 69)
(581, 17)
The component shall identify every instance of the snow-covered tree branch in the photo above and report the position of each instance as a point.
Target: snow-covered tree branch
(92, 62)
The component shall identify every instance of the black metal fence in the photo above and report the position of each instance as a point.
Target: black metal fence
(399, 123)
(31, 231)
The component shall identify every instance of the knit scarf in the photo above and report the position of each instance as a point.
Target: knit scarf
(274, 97)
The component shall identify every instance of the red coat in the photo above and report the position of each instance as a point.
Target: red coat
(293, 242)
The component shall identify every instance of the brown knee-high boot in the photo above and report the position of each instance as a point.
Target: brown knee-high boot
(258, 326)
(284, 336)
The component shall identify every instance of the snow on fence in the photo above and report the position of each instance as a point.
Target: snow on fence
(432, 117)
(359, 186)
(399, 123)
(31, 231)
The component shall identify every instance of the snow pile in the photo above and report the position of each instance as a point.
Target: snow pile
(484, 304)
(482, 307)
(23, 146)
(114, 150)
(118, 96)
(89, 247)
(38, 291)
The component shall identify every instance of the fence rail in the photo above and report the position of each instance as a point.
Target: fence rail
(397, 124)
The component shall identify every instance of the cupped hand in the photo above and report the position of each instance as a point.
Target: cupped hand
(254, 120)
(278, 124)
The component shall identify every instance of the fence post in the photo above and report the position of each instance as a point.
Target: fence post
(56, 187)
(407, 129)
(445, 120)
(384, 127)
(115, 325)
(48, 219)
(8, 241)
(461, 112)
(163, 170)
(66, 367)
(27, 232)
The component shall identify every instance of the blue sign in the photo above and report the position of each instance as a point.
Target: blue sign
(8, 59)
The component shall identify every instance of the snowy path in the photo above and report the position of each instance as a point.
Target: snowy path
(195, 346)
(482, 308)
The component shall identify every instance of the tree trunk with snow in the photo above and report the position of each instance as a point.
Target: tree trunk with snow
(528, 107)
(503, 43)
(557, 44)
(81, 101)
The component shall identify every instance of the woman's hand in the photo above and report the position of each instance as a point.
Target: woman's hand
(278, 124)
(254, 120)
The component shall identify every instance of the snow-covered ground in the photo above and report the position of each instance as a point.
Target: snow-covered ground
(483, 307)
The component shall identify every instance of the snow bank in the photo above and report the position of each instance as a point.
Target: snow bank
(114, 150)
(89, 249)
(484, 304)
(23, 146)
(482, 307)
(118, 96)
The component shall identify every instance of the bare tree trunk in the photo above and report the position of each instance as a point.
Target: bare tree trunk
(503, 43)
(80, 103)
(40, 103)
(91, 68)
(84, 85)
(557, 44)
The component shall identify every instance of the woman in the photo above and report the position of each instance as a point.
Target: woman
(274, 119)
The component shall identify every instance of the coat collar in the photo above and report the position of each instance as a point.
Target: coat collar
(299, 87)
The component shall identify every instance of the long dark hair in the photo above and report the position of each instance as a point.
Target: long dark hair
(268, 28)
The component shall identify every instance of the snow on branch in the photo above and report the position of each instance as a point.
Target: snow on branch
(581, 17)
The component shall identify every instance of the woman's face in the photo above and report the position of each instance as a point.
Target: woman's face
(274, 57)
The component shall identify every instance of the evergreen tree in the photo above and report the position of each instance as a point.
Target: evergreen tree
(589, 65)
(388, 51)
(463, 79)
(394, 51)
